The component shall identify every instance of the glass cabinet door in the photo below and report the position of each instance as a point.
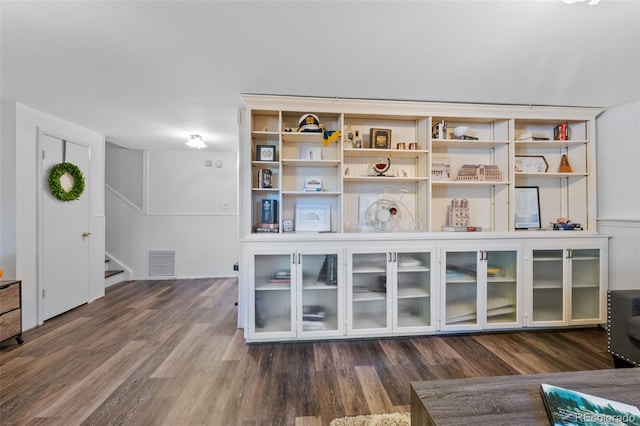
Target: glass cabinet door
(273, 311)
(461, 289)
(369, 296)
(502, 287)
(585, 284)
(319, 304)
(548, 285)
(413, 292)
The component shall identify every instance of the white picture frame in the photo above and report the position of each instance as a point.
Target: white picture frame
(313, 218)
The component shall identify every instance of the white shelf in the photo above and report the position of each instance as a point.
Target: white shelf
(263, 135)
(374, 153)
(266, 164)
(550, 175)
(368, 296)
(385, 179)
(301, 137)
(469, 183)
(547, 285)
(408, 293)
(465, 144)
(294, 162)
(550, 144)
(310, 193)
(273, 286)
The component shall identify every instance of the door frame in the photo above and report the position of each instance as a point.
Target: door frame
(40, 190)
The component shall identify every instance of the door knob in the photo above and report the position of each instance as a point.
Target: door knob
(86, 234)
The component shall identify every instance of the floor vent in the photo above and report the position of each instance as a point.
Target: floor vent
(162, 263)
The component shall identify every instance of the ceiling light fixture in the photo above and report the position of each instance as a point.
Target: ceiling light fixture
(195, 141)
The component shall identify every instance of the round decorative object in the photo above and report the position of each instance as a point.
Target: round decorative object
(55, 184)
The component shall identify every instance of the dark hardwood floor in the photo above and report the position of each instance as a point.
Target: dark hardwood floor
(169, 353)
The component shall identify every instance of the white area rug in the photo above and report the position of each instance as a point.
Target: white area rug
(393, 419)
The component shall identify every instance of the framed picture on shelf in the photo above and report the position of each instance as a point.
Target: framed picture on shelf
(312, 153)
(527, 207)
(313, 218)
(380, 138)
(531, 164)
(266, 153)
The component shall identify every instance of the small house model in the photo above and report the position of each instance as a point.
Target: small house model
(479, 172)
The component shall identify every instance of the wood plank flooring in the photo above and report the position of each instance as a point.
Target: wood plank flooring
(169, 353)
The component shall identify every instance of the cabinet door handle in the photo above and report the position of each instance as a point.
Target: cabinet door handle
(569, 253)
(395, 257)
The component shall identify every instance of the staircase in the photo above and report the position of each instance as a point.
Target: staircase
(111, 276)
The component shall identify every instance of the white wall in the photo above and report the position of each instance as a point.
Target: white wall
(618, 146)
(28, 121)
(8, 191)
(127, 178)
(183, 212)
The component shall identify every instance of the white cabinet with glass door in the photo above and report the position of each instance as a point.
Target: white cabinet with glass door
(391, 291)
(567, 282)
(297, 294)
(480, 288)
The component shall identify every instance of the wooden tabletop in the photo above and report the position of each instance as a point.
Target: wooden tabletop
(512, 400)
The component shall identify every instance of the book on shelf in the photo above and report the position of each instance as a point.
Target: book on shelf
(329, 270)
(268, 225)
(569, 407)
(454, 228)
(280, 280)
(570, 226)
(262, 229)
(531, 137)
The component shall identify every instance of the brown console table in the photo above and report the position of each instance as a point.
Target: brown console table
(512, 400)
(11, 310)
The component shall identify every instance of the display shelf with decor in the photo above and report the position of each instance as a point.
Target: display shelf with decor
(564, 191)
(478, 152)
(396, 196)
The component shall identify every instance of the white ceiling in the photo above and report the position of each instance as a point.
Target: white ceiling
(149, 73)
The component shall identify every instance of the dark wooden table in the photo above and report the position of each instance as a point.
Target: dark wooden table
(512, 400)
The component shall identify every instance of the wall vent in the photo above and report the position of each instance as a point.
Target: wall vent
(162, 263)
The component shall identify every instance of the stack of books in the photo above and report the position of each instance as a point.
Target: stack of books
(281, 277)
(531, 137)
(313, 317)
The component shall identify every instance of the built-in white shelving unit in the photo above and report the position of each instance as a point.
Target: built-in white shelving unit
(373, 206)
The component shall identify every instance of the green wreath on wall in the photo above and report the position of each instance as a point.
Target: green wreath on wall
(55, 186)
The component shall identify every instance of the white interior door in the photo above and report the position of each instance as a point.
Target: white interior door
(64, 240)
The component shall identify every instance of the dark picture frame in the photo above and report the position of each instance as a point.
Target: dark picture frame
(380, 138)
(527, 208)
(266, 153)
